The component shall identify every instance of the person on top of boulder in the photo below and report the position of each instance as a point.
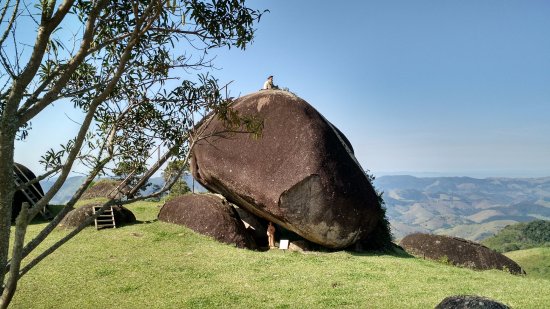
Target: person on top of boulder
(271, 235)
(269, 84)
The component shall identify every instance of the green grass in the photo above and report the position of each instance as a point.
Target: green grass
(160, 265)
(535, 261)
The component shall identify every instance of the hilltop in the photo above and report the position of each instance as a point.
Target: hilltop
(153, 264)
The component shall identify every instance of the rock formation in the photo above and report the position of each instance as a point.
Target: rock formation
(18, 198)
(301, 174)
(210, 215)
(469, 302)
(78, 215)
(458, 251)
(103, 188)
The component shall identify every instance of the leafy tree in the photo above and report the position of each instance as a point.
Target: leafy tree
(121, 63)
(520, 236)
(538, 231)
(175, 169)
(381, 237)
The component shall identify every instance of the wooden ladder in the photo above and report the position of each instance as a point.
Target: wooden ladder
(106, 219)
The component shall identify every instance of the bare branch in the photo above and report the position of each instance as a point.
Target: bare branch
(4, 11)
(41, 42)
(73, 64)
(10, 23)
(6, 64)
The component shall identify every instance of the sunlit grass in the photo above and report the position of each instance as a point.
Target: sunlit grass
(158, 265)
(535, 261)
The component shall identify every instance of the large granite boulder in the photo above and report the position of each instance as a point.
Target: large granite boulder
(301, 174)
(210, 215)
(458, 251)
(78, 215)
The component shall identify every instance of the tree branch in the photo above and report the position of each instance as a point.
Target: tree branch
(4, 11)
(17, 256)
(96, 101)
(71, 67)
(11, 21)
(44, 31)
(37, 179)
(36, 241)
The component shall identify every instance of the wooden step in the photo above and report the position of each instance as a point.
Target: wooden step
(106, 219)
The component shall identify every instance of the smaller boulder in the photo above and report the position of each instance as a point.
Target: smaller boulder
(210, 215)
(458, 251)
(76, 216)
(301, 246)
(469, 302)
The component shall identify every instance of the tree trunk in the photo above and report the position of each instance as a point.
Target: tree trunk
(8, 130)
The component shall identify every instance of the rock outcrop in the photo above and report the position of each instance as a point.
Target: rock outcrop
(301, 174)
(103, 188)
(458, 251)
(24, 175)
(78, 215)
(210, 215)
(469, 302)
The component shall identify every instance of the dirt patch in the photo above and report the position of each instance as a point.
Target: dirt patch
(458, 251)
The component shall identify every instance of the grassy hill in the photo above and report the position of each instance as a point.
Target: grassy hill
(535, 261)
(158, 265)
(521, 236)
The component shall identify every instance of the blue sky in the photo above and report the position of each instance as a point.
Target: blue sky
(420, 87)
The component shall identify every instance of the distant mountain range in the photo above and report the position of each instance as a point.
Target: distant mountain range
(461, 206)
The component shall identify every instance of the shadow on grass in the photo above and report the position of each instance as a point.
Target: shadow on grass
(395, 251)
(140, 222)
(38, 219)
